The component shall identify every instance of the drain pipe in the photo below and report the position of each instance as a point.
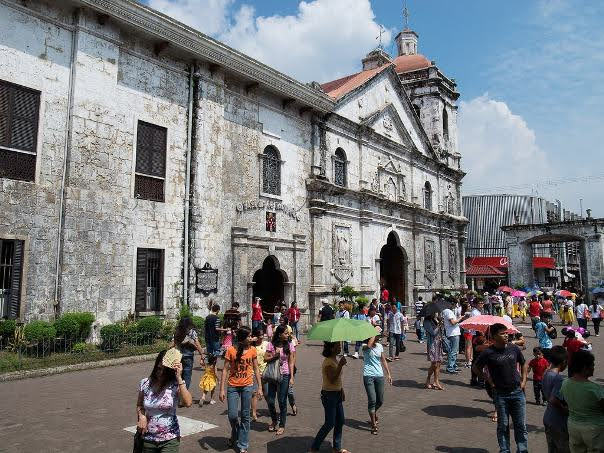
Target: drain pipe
(66, 153)
(185, 286)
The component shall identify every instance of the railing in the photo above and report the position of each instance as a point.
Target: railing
(17, 353)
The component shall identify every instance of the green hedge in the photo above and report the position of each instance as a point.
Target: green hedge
(150, 327)
(38, 331)
(7, 328)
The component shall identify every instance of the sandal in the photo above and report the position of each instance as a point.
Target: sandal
(429, 386)
(271, 428)
(294, 410)
(438, 387)
(280, 431)
(374, 430)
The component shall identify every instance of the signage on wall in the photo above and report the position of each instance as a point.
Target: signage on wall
(253, 205)
(207, 280)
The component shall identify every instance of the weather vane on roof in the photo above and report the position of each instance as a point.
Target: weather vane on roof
(382, 31)
(406, 14)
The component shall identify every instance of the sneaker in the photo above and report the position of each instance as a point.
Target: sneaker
(355, 355)
(388, 359)
(212, 402)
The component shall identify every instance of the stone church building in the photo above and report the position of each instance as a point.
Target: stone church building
(144, 164)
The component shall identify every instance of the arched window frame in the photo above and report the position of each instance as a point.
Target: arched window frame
(340, 168)
(270, 181)
(445, 123)
(428, 196)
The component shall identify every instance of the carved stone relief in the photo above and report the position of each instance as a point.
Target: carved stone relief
(389, 181)
(429, 261)
(342, 252)
(452, 260)
(323, 151)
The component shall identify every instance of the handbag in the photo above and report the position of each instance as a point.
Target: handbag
(138, 442)
(553, 334)
(587, 314)
(272, 372)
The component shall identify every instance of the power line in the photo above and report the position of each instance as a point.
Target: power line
(551, 182)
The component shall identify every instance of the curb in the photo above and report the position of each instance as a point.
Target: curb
(17, 375)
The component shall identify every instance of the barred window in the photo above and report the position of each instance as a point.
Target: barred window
(428, 196)
(339, 168)
(271, 171)
(149, 280)
(445, 124)
(19, 117)
(151, 143)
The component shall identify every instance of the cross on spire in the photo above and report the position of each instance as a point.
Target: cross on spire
(406, 14)
(382, 31)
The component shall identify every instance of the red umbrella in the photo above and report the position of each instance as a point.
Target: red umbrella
(564, 293)
(505, 289)
(482, 322)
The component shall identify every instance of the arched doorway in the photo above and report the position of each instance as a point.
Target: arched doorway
(393, 269)
(269, 284)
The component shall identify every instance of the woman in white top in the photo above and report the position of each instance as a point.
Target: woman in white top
(582, 310)
(596, 311)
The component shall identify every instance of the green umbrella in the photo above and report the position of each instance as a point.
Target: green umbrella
(342, 329)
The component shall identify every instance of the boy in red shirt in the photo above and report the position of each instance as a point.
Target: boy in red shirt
(539, 365)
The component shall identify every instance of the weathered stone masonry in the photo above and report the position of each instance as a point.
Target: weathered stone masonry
(131, 65)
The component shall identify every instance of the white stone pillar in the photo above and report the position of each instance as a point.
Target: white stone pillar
(520, 262)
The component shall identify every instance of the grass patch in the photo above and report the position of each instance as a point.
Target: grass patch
(10, 361)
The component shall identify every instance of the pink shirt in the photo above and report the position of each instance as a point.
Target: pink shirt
(283, 359)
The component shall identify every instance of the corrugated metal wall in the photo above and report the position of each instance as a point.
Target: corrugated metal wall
(488, 213)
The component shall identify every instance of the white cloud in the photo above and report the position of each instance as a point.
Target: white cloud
(207, 16)
(324, 40)
(498, 148)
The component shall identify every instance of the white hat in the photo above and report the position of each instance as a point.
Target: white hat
(324, 301)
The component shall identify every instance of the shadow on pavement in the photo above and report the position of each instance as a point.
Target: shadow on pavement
(357, 424)
(452, 382)
(483, 401)
(453, 411)
(290, 443)
(460, 449)
(214, 443)
(407, 383)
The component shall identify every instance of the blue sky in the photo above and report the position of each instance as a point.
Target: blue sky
(529, 73)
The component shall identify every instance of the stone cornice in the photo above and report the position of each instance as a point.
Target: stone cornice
(205, 48)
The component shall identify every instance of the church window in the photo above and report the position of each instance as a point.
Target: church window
(150, 176)
(271, 171)
(149, 280)
(428, 196)
(19, 115)
(445, 124)
(339, 168)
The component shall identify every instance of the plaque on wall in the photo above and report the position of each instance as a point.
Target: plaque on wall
(207, 280)
(342, 253)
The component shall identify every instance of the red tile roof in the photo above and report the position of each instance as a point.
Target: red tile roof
(475, 270)
(406, 63)
(341, 87)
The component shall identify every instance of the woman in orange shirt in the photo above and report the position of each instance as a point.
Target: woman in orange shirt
(241, 366)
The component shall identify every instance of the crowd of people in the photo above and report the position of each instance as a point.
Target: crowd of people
(260, 363)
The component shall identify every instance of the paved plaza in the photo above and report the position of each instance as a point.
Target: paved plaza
(90, 411)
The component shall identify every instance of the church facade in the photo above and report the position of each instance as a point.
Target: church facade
(144, 165)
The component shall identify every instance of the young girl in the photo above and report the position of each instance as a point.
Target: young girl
(405, 322)
(208, 381)
(260, 344)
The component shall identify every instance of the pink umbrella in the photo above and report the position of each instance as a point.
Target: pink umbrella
(518, 293)
(482, 322)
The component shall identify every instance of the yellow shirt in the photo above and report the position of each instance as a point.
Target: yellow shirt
(329, 362)
(261, 350)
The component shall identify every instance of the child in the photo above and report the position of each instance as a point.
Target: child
(522, 307)
(419, 330)
(405, 322)
(539, 365)
(208, 381)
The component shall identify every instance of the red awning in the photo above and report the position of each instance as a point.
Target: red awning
(542, 262)
(501, 262)
(483, 271)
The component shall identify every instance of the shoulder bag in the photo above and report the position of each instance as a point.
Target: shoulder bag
(138, 442)
(272, 372)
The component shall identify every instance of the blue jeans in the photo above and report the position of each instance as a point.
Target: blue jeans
(394, 343)
(334, 419)
(374, 386)
(256, 324)
(511, 404)
(294, 326)
(240, 429)
(213, 348)
(452, 350)
(345, 347)
(280, 391)
(187, 368)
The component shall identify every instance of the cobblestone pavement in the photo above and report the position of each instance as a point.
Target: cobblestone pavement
(88, 411)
